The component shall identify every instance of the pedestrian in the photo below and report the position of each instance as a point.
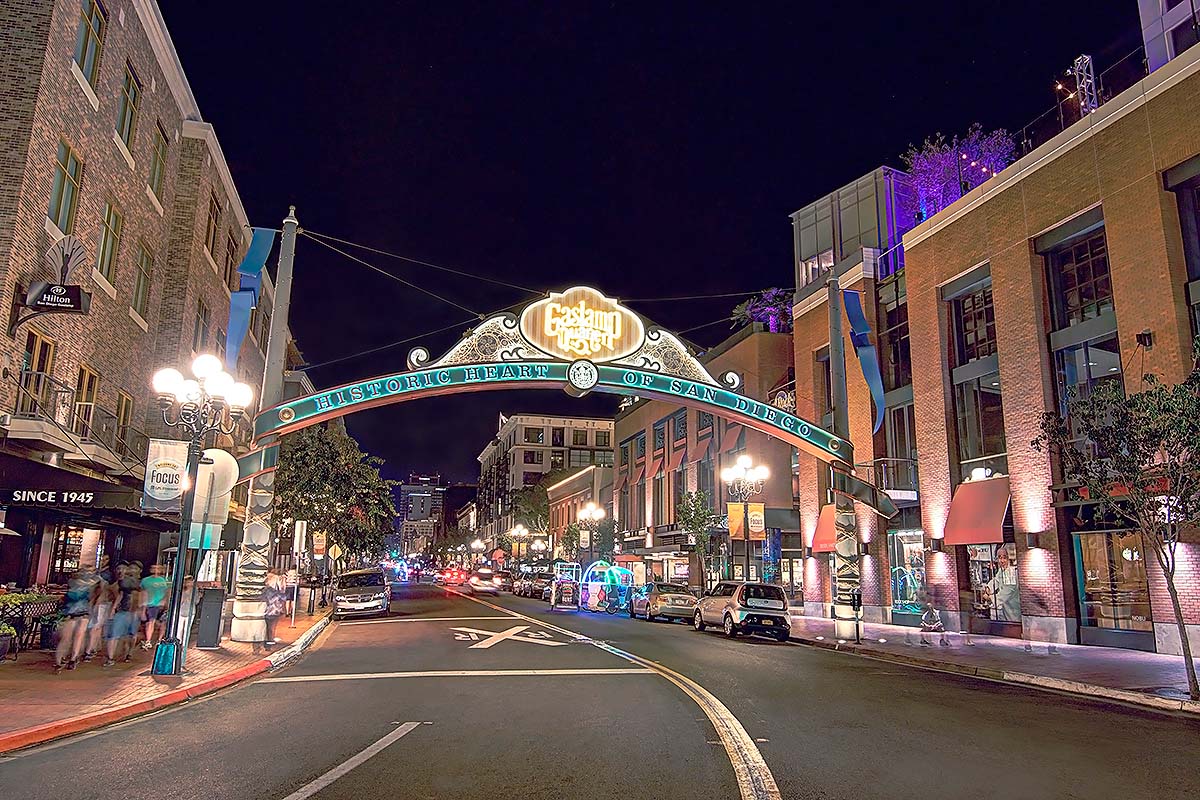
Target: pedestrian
(101, 613)
(275, 596)
(126, 606)
(293, 590)
(154, 589)
(931, 622)
(187, 611)
(77, 607)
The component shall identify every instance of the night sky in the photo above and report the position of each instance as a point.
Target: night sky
(650, 149)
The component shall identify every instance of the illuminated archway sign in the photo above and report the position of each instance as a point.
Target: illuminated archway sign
(577, 340)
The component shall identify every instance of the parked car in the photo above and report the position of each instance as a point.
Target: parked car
(483, 581)
(667, 600)
(540, 586)
(504, 580)
(744, 607)
(361, 592)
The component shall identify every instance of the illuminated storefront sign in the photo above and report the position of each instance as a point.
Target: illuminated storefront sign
(582, 323)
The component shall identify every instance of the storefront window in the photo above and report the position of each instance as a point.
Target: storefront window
(994, 581)
(65, 557)
(1114, 592)
(906, 552)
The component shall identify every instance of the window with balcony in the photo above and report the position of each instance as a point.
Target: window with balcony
(110, 243)
(37, 384)
(127, 106)
(158, 161)
(124, 420)
(87, 386)
(1081, 287)
(141, 282)
(212, 224)
(534, 435)
(64, 195)
(89, 40)
(893, 333)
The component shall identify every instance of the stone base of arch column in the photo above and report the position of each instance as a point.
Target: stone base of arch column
(249, 624)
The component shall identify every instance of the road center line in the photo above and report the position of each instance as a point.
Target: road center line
(459, 673)
(416, 619)
(309, 789)
(754, 777)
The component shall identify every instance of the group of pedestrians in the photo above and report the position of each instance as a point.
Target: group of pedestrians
(111, 612)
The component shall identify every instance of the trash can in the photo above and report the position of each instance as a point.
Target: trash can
(208, 624)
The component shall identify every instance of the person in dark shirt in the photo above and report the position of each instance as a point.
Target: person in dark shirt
(126, 605)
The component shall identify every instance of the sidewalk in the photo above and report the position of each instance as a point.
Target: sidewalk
(1148, 679)
(36, 705)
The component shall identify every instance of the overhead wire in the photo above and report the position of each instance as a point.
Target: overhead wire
(698, 296)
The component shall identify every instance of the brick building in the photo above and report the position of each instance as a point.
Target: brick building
(665, 450)
(1078, 264)
(570, 495)
(103, 141)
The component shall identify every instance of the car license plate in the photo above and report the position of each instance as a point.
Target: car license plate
(768, 622)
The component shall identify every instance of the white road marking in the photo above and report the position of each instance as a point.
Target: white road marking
(460, 673)
(754, 777)
(416, 619)
(513, 634)
(308, 790)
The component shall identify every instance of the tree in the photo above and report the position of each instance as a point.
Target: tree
(569, 542)
(944, 171)
(606, 540)
(326, 479)
(1138, 457)
(531, 507)
(694, 515)
(773, 308)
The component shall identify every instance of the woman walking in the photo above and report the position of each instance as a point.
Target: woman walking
(275, 595)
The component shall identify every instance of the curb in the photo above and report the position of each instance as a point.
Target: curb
(1017, 678)
(40, 734)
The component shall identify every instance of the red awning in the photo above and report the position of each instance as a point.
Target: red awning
(654, 468)
(703, 445)
(729, 441)
(637, 475)
(676, 459)
(825, 538)
(622, 479)
(977, 512)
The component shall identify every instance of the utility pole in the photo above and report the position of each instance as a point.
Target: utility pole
(847, 570)
(249, 623)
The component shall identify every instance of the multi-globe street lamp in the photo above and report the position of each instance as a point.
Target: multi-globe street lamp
(589, 519)
(519, 533)
(196, 407)
(744, 480)
(538, 546)
(477, 547)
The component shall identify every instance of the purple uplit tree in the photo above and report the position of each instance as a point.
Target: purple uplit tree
(944, 171)
(773, 308)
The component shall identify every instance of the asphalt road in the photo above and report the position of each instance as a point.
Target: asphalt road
(453, 698)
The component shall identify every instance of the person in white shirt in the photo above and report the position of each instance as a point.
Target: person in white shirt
(1003, 588)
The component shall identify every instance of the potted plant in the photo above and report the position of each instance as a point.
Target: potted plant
(8, 635)
(49, 628)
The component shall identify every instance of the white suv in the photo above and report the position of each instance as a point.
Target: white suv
(743, 607)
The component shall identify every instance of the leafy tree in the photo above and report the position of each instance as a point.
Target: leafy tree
(1138, 457)
(326, 479)
(569, 542)
(531, 507)
(695, 516)
(773, 308)
(606, 540)
(944, 171)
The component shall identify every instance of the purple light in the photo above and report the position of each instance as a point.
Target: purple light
(937, 166)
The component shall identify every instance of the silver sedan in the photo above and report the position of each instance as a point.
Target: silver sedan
(667, 600)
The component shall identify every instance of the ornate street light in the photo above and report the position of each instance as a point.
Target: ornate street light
(589, 518)
(744, 480)
(477, 547)
(519, 533)
(199, 408)
(538, 546)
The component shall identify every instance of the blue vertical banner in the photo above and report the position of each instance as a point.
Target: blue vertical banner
(772, 553)
(868, 358)
(246, 298)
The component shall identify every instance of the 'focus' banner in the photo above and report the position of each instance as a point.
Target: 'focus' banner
(166, 472)
(758, 529)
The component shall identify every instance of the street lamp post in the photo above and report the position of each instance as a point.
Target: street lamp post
(518, 534)
(199, 408)
(744, 480)
(589, 518)
(538, 546)
(477, 547)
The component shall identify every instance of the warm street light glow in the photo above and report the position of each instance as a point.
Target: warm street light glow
(240, 396)
(188, 392)
(591, 513)
(167, 381)
(219, 385)
(478, 545)
(205, 366)
(519, 531)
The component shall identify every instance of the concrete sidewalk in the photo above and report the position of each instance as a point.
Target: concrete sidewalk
(36, 705)
(1148, 679)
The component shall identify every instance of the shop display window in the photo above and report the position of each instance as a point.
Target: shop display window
(992, 569)
(906, 553)
(1113, 590)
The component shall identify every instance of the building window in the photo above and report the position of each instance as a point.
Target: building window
(980, 425)
(124, 419)
(679, 425)
(141, 282)
(68, 172)
(906, 552)
(200, 328)
(580, 458)
(535, 435)
(263, 317)
(603, 438)
(533, 456)
(557, 459)
(824, 383)
(33, 397)
(557, 437)
(659, 499)
(706, 480)
(579, 438)
(213, 224)
(660, 436)
(624, 454)
(893, 334)
(638, 505)
(89, 40)
(623, 509)
(158, 161)
(1082, 367)
(992, 572)
(704, 421)
(602, 457)
(530, 478)
(1114, 593)
(110, 243)
(220, 344)
(231, 262)
(641, 445)
(127, 106)
(1183, 36)
(1079, 276)
(65, 554)
(678, 487)
(975, 324)
(87, 385)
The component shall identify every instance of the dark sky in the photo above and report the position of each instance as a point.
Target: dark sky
(650, 149)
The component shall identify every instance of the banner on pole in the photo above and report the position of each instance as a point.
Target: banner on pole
(758, 517)
(166, 466)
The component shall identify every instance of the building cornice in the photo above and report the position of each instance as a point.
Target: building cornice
(168, 59)
(864, 267)
(197, 129)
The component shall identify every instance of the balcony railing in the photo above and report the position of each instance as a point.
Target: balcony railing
(896, 476)
(42, 397)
